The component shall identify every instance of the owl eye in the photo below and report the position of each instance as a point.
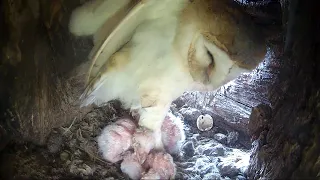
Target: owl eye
(211, 58)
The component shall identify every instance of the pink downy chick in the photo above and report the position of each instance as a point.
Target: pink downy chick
(161, 166)
(151, 174)
(131, 166)
(128, 124)
(172, 134)
(116, 139)
(143, 143)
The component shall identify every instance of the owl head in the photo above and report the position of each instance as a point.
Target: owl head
(218, 41)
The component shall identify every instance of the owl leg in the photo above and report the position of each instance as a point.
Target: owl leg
(152, 118)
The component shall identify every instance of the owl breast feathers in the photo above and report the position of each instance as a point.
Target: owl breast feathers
(147, 52)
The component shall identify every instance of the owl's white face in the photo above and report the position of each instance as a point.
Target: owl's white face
(209, 66)
(217, 43)
(218, 69)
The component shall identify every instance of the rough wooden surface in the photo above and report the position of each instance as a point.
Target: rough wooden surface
(42, 67)
(289, 147)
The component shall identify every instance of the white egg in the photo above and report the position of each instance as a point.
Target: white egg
(204, 122)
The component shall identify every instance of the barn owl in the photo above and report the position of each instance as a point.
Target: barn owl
(148, 52)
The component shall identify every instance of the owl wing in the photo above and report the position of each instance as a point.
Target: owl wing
(117, 38)
(111, 23)
(106, 44)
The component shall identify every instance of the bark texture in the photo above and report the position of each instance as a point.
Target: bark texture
(42, 68)
(288, 147)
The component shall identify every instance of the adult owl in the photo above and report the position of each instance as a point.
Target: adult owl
(148, 52)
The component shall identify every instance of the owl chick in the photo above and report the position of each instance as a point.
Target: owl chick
(116, 139)
(148, 52)
(161, 166)
(158, 165)
(172, 134)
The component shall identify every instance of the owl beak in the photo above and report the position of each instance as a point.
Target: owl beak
(208, 73)
(209, 70)
(234, 72)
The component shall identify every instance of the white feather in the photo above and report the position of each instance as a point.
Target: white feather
(118, 37)
(88, 18)
(143, 11)
(149, 59)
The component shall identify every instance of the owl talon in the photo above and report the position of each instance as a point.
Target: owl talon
(158, 140)
(135, 114)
